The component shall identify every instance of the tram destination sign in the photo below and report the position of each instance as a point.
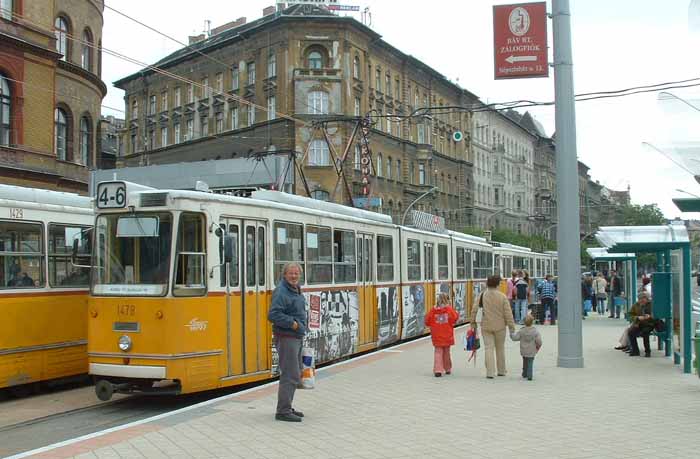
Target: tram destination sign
(111, 195)
(520, 41)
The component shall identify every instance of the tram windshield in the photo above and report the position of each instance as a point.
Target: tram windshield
(132, 256)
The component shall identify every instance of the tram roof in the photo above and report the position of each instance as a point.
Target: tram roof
(39, 196)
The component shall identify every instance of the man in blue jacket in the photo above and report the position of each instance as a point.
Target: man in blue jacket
(288, 317)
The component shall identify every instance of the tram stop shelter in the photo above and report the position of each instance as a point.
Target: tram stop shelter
(628, 261)
(671, 287)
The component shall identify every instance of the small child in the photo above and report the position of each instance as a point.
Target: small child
(530, 343)
(441, 320)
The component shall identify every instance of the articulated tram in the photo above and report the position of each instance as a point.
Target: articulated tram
(43, 294)
(182, 282)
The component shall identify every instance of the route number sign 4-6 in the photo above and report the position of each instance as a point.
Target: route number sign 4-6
(520, 41)
(111, 195)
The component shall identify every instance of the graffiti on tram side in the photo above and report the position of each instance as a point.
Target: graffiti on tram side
(388, 305)
(333, 323)
(413, 311)
(460, 300)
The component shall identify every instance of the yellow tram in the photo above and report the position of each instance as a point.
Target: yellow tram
(182, 282)
(43, 294)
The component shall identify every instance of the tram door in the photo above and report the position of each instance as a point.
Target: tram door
(365, 290)
(247, 326)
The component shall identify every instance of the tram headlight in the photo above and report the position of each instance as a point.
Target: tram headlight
(125, 343)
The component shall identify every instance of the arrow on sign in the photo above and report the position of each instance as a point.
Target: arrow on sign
(511, 59)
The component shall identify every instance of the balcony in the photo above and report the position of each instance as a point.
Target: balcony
(412, 189)
(317, 74)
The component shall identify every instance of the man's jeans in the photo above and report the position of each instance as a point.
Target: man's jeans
(520, 307)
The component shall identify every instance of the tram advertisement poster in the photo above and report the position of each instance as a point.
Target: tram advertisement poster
(314, 312)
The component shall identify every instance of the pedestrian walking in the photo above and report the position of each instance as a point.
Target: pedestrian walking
(616, 293)
(441, 320)
(600, 286)
(522, 293)
(288, 316)
(496, 318)
(530, 344)
(547, 296)
(510, 290)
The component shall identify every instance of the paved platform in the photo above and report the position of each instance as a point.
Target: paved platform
(389, 405)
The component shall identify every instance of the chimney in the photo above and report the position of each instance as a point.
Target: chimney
(228, 25)
(269, 10)
(196, 38)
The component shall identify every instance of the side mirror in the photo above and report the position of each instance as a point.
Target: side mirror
(218, 232)
(229, 244)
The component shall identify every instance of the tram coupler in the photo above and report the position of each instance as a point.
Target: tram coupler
(105, 389)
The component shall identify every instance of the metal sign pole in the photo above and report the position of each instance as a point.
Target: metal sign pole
(569, 285)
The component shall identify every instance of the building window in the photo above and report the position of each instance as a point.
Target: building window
(164, 101)
(318, 103)
(315, 60)
(61, 25)
(251, 114)
(203, 126)
(178, 99)
(319, 154)
(134, 141)
(358, 155)
(219, 83)
(164, 136)
(321, 195)
(85, 141)
(421, 174)
(6, 9)
(235, 78)
(219, 122)
(234, 118)
(190, 93)
(5, 110)
(152, 105)
(176, 132)
(356, 67)
(151, 139)
(271, 109)
(388, 168)
(388, 123)
(205, 90)
(380, 165)
(189, 130)
(421, 132)
(496, 197)
(397, 88)
(60, 133)
(399, 172)
(271, 65)
(86, 55)
(251, 73)
(387, 84)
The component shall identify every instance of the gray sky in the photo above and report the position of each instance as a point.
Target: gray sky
(617, 44)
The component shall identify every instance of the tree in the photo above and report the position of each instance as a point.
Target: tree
(640, 215)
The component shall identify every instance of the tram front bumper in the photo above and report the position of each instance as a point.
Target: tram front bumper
(128, 371)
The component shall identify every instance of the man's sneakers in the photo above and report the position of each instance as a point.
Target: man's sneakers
(289, 417)
(297, 413)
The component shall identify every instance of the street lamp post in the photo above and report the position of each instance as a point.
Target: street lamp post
(488, 219)
(403, 219)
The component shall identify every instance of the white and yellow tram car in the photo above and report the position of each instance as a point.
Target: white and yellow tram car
(183, 281)
(43, 294)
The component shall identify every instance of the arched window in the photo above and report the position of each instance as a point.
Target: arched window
(61, 25)
(6, 9)
(134, 109)
(318, 103)
(356, 67)
(399, 172)
(85, 141)
(315, 60)
(5, 110)
(388, 168)
(321, 195)
(60, 133)
(319, 154)
(86, 54)
(380, 171)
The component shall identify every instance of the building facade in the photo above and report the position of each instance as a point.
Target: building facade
(296, 83)
(50, 92)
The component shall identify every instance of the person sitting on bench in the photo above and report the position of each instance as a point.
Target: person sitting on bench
(642, 325)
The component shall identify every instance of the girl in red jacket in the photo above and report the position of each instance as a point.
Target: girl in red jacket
(441, 320)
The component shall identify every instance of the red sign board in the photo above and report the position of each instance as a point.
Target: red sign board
(520, 40)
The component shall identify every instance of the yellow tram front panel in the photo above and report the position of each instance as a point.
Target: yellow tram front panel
(42, 336)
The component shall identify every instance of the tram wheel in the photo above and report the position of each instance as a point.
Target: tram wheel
(104, 390)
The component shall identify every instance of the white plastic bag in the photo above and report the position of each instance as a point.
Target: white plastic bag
(308, 372)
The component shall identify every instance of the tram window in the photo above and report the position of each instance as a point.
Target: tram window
(429, 262)
(250, 269)
(21, 255)
(344, 261)
(483, 264)
(413, 259)
(191, 256)
(385, 259)
(319, 257)
(443, 262)
(233, 265)
(468, 262)
(62, 272)
(261, 256)
(289, 246)
(461, 264)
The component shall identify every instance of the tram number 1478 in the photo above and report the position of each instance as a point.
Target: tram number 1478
(111, 195)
